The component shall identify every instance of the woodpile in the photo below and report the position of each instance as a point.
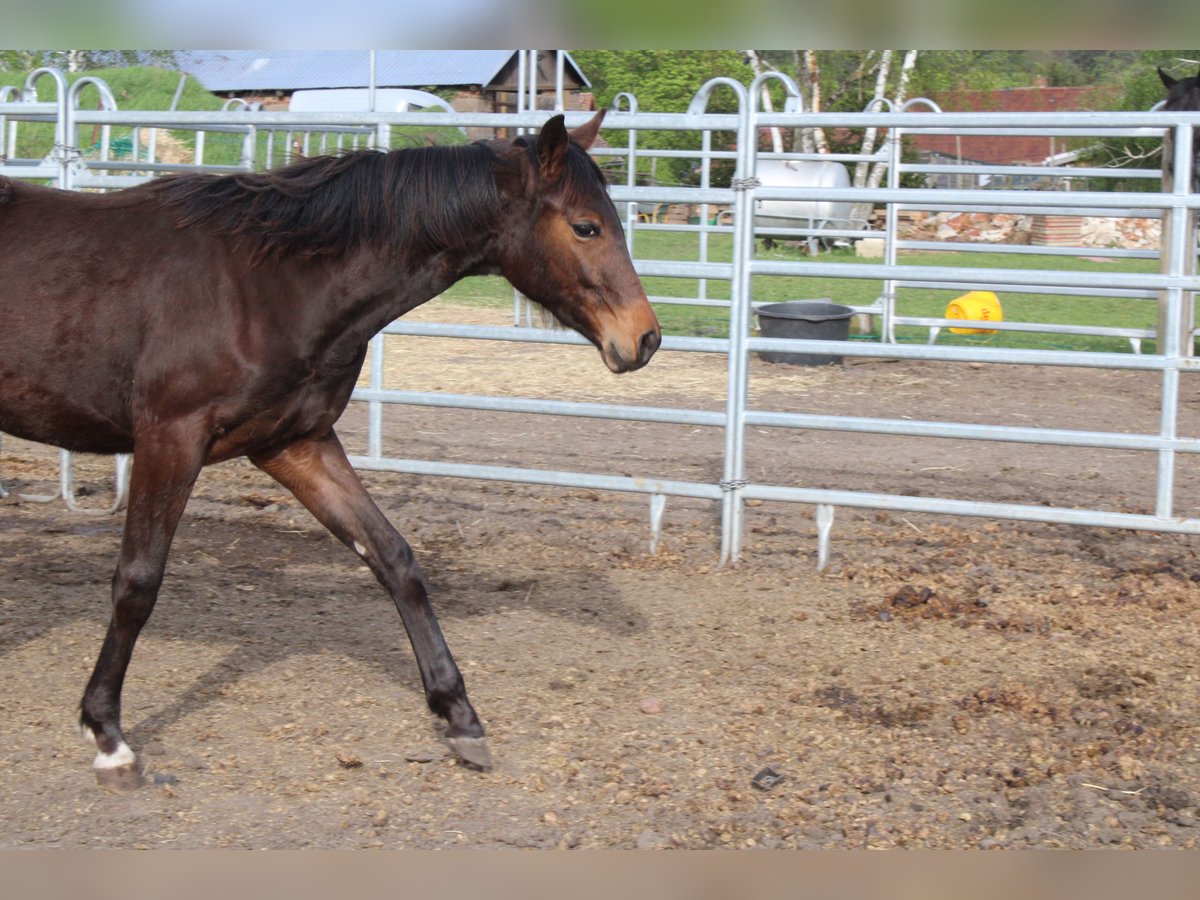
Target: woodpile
(1044, 231)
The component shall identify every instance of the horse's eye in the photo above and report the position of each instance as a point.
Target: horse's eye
(586, 229)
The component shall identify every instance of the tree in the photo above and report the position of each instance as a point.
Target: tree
(82, 60)
(19, 60)
(1142, 89)
(663, 81)
(835, 81)
(840, 81)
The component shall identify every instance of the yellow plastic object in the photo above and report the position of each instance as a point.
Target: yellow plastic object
(979, 306)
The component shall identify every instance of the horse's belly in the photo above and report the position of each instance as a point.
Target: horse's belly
(37, 413)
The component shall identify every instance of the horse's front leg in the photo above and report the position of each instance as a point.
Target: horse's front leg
(166, 461)
(318, 473)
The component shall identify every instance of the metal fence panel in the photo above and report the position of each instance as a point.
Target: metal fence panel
(68, 166)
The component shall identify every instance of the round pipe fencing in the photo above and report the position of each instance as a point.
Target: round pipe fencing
(733, 137)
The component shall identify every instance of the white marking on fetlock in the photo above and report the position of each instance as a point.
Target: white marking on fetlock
(88, 734)
(360, 549)
(122, 756)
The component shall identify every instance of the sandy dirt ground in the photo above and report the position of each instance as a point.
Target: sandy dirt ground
(946, 682)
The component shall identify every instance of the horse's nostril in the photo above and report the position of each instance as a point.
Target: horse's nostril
(648, 344)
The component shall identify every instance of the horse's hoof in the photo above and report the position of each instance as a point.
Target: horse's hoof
(121, 778)
(471, 750)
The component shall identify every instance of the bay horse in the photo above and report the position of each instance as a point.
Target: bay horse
(198, 318)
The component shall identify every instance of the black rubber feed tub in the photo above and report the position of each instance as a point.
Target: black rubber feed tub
(804, 319)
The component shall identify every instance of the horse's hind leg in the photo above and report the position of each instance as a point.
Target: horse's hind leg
(318, 473)
(165, 466)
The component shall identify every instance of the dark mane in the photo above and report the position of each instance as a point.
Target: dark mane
(427, 198)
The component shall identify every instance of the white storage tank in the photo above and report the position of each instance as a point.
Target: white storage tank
(802, 173)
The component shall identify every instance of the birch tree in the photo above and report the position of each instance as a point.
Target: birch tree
(871, 134)
(756, 67)
(767, 103)
(870, 174)
(833, 79)
(811, 80)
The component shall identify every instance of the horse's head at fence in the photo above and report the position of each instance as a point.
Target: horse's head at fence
(559, 241)
(1183, 94)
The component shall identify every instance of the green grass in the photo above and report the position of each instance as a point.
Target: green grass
(928, 302)
(133, 88)
(152, 89)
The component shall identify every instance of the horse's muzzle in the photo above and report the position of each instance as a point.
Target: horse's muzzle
(646, 347)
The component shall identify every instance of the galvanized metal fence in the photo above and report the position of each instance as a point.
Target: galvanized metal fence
(733, 138)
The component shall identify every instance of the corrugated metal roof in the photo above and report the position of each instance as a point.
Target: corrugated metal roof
(289, 70)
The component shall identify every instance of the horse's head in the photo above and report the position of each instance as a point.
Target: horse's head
(559, 242)
(1183, 94)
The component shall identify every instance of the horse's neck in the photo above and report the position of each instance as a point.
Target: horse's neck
(368, 290)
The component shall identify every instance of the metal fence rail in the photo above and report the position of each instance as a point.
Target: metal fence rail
(738, 134)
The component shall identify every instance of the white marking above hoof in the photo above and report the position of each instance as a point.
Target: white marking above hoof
(122, 756)
(360, 549)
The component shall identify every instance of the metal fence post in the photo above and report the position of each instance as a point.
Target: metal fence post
(734, 466)
(631, 210)
(1172, 327)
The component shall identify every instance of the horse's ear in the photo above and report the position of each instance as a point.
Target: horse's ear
(1167, 80)
(552, 148)
(585, 135)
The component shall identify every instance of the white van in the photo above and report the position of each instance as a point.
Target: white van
(358, 100)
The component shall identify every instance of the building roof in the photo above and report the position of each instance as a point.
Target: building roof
(289, 70)
(1009, 149)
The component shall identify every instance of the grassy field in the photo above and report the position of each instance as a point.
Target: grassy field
(133, 88)
(153, 89)
(1017, 307)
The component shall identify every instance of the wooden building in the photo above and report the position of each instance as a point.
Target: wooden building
(470, 80)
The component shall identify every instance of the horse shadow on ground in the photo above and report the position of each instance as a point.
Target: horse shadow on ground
(273, 594)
